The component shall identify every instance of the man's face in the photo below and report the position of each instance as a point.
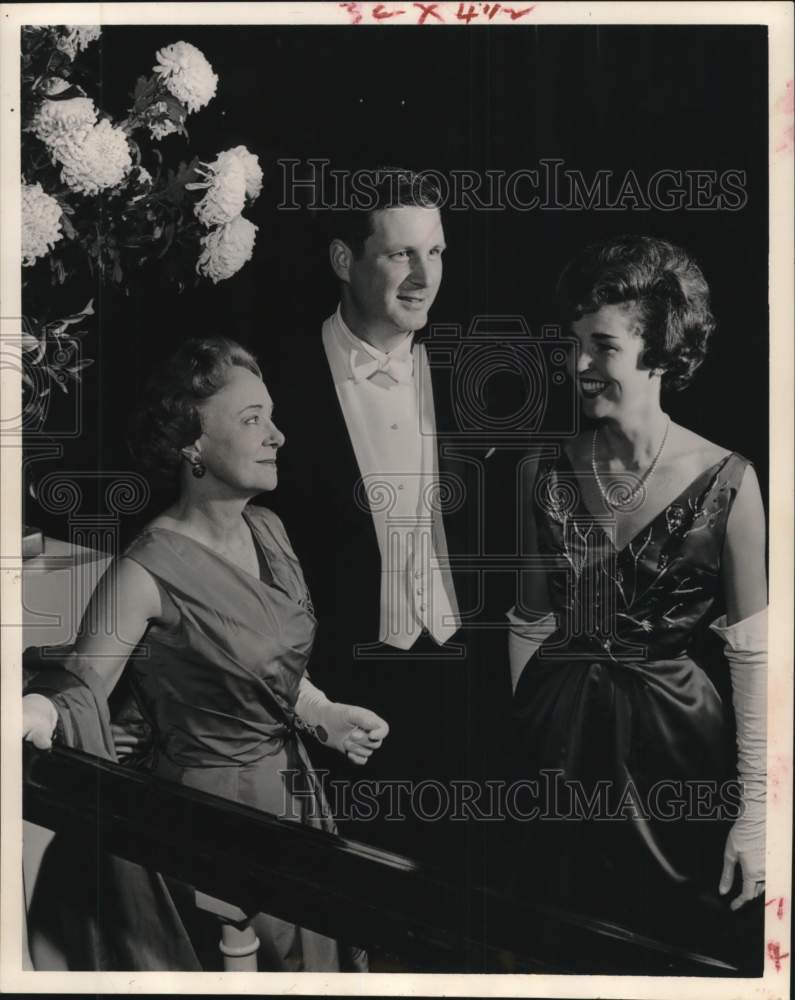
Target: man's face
(392, 285)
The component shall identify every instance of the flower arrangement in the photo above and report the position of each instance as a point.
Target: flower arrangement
(108, 177)
(51, 359)
(97, 194)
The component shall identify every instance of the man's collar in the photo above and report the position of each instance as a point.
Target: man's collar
(401, 352)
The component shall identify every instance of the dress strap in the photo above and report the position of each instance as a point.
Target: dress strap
(733, 469)
(282, 559)
(555, 491)
(728, 477)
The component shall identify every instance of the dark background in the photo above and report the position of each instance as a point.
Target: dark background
(615, 98)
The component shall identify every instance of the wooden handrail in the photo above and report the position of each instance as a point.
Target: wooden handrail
(333, 885)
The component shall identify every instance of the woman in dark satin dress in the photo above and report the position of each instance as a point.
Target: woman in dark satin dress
(213, 592)
(650, 533)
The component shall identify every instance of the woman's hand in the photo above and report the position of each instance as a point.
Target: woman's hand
(744, 845)
(352, 730)
(130, 738)
(39, 719)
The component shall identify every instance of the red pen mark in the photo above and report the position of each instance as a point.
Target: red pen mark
(380, 13)
(516, 14)
(491, 9)
(786, 103)
(785, 108)
(774, 954)
(355, 10)
(787, 140)
(779, 908)
(428, 10)
(470, 14)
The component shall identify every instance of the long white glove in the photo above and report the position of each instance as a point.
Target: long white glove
(746, 650)
(39, 720)
(524, 638)
(352, 730)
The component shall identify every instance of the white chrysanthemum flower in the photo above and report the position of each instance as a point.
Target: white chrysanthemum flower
(251, 167)
(77, 38)
(101, 161)
(69, 121)
(226, 249)
(226, 191)
(187, 74)
(144, 177)
(41, 223)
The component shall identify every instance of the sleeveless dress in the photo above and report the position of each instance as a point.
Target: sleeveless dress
(618, 716)
(217, 682)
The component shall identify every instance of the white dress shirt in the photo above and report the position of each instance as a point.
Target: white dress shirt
(394, 440)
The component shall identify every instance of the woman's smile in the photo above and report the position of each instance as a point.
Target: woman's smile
(592, 387)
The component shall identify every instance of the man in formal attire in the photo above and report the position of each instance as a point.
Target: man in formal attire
(375, 504)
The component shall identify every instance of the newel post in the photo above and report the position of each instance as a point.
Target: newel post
(239, 943)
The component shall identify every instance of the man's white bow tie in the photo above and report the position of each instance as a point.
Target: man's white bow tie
(398, 369)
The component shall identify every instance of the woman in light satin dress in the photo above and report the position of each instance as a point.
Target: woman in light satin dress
(213, 592)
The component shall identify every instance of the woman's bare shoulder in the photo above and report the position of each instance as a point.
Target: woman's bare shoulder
(165, 519)
(130, 588)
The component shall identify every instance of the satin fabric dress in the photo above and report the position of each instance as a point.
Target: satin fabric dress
(217, 679)
(619, 718)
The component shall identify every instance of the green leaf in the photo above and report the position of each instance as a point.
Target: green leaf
(187, 173)
(80, 365)
(141, 85)
(175, 109)
(29, 342)
(69, 230)
(57, 328)
(170, 231)
(145, 93)
(137, 241)
(68, 94)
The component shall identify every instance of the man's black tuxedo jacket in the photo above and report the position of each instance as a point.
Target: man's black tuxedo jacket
(333, 536)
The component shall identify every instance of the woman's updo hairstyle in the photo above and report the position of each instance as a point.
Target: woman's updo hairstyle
(167, 418)
(664, 282)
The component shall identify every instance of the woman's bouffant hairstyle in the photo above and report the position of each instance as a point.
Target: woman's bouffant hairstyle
(167, 418)
(664, 282)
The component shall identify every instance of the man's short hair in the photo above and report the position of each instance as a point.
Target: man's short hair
(374, 191)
